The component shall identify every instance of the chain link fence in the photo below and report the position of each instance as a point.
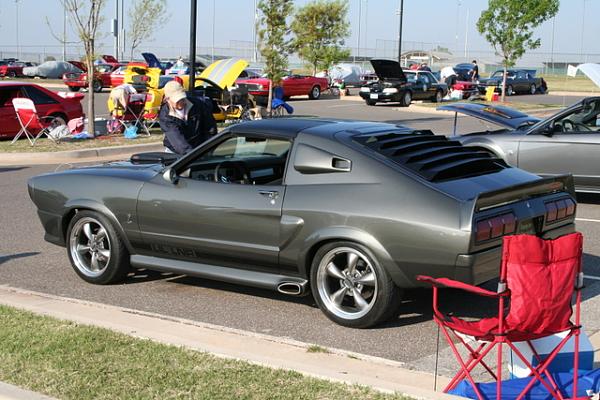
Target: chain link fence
(437, 55)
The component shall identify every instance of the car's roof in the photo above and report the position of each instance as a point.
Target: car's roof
(14, 83)
(290, 127)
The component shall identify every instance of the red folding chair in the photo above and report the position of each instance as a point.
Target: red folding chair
(537, 281)
(32, 125)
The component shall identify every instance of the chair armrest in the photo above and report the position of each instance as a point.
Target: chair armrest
(450, 283)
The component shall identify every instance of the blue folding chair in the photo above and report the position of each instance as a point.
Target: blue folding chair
(278, 104)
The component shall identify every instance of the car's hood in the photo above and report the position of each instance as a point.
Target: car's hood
(79, 65)
(121, 169)
(499, 115)
(224, 72)
(151, 60)
(592, 71)
(388, 69)
(109, 59)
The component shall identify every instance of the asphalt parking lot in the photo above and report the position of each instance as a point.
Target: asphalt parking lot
(28, 262)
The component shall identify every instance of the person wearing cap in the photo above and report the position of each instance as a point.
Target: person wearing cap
(187, 122)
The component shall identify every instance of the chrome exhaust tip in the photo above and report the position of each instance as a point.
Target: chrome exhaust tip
(292, 288)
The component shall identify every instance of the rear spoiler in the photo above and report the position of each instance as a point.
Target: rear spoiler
(524, 191)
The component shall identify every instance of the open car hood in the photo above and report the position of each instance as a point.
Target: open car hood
(592, 71)
(499, 115)
(388, 69)
(79, 65)
(224, 72)
(151, 60)
(109, 59)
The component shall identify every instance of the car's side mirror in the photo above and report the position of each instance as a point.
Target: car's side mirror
(170, 176)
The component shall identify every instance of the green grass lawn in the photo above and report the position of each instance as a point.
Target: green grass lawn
(70, 361)
(564, 83)
(46, 145)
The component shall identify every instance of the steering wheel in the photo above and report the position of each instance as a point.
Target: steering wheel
(570, 126)
(241, 174)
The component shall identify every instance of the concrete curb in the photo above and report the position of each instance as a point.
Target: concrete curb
(11, 392)
(274, 352)
(83, 155)
(567, 93)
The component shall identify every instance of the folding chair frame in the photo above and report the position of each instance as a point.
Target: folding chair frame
(477, 354)
(139, 118)
(30, 136)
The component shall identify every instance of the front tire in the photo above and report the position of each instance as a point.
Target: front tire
(406, 99)
(509, 90)
(74, 88)
(96, 251)
(532, 89)
(439, 96)
(351, 287)
(315, 93)
(370, 102)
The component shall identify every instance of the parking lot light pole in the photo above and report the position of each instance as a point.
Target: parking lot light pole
(194, 7)
(400, 13)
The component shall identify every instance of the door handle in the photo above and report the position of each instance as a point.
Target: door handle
(271, 194)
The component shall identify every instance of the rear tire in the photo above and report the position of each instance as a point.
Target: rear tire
(351, 287)
(97, 86)
(509, 90)
(74, 88)
(96, 250)
(315, 93)
(12, 74)
(406, 99)
(439, 96)
(532, 89)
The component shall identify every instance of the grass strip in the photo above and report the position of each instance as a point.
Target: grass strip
(71, 361)
(517, 105)
(46, 145)
(564, 83)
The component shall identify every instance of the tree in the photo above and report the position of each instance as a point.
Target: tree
(87, 16)
(274, 44)
(508, 26)
(145, 16)
(320, 28)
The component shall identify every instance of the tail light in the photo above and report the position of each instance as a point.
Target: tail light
(495, 227)
(559, 210)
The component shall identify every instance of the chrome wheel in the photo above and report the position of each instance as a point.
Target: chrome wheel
(347, 283)
(315, 93)
(532, 89)
(90, 247)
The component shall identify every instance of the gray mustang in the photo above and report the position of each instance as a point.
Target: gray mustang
(565, 143)
(350, 210)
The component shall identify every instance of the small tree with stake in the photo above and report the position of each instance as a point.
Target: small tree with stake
(144, 17)
(319, 29)
(508, 26)
(273, 42)
(87, 16)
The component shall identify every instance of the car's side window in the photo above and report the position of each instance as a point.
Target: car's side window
(38, 97)
(7, 94)
(241, 159)
(585, 119)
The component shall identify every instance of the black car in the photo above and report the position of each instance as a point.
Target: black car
(517, 81)
(395, 85)
(463, 71)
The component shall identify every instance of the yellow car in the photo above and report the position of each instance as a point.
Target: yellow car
(215, 83)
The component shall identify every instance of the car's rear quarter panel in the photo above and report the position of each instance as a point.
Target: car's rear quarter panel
(412, 228)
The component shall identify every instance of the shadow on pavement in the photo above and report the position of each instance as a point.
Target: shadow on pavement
(588, 198)
(11, 169)
(9, 257)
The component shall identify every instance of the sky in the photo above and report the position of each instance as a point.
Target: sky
(447, 22)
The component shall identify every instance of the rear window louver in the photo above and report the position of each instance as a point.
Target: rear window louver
(433, 157)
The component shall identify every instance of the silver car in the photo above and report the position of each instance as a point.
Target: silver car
(565, 143)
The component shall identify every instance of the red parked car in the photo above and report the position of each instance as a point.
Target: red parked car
(14, 69)
(102, 77)
(293, 85)
(46, 102)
